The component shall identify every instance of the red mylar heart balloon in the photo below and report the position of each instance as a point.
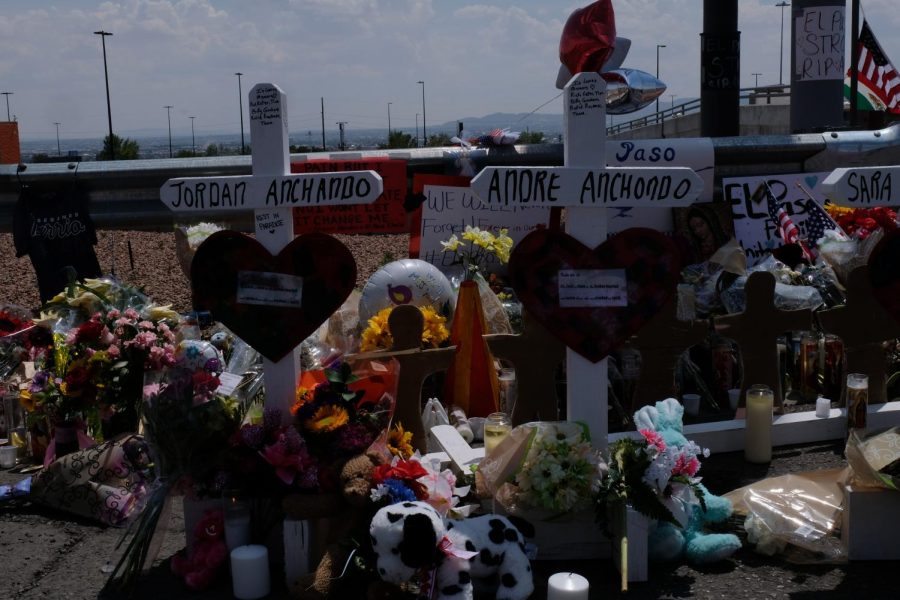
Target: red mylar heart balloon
(588, 38)
(884, 273)
(596, 326)
(272, 302)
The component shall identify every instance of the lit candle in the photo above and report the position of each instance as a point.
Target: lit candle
(567, 586)
(496, 427)
(237, 524)
(758, 432)
(250, 572)
(823, 408)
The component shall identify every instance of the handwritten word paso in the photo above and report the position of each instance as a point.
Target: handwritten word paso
(249, 192)
(627, 186)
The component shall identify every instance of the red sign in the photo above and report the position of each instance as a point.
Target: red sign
(385, 215)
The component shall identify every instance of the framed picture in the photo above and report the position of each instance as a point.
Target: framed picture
(705, 226)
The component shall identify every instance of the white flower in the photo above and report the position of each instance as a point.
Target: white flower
(378, 493)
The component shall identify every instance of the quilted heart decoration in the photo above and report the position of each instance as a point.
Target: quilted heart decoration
(594, 299)
(884, 273)
(271, 302)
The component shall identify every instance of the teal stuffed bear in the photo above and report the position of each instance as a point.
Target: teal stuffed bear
(668, 542)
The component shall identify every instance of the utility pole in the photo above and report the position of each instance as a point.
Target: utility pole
(193, 143)
(323, 124)
(58, 150)
(241, 109)
(340, 125)
(169, 108)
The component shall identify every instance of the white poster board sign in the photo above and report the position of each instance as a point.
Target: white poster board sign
(819, 43)
(448, 209)
(696, 153)
(753, 228)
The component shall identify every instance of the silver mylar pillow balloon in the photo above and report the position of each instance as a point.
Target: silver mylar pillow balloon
(628, 90)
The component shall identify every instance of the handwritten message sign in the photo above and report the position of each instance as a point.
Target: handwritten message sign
(863, 187)
(385, 215)
(265, 107)
(753, 228)
(270, 289)
(448, 209)
(573, 186)
(819, 43)
(249, 192)
(592, 288)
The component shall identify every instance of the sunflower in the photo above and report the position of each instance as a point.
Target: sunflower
(377, 335)
(327, 418)
(301, 397)
(399, 442)
(27, 401)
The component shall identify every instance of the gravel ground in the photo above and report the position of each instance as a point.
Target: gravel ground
(151, 262)
(45, 554)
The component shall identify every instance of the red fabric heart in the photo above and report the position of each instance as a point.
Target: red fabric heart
(884, 273)
(588, 38)
(325, 264)
(651, 263)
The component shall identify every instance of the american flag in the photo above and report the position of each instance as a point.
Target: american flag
(817, 221)
(876, 73)
(789, 232)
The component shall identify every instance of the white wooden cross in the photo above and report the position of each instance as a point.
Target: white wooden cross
(271, 193)
(585, 186)
(863, 187)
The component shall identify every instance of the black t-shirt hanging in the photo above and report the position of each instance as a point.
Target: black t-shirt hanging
(55, 229)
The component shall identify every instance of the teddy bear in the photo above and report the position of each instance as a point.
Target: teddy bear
(411, 537)
(352, 504)
(207, 555)
(668, 542)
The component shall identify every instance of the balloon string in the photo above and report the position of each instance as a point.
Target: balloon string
(540, 107)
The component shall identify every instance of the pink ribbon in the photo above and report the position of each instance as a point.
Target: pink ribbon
(450, 549)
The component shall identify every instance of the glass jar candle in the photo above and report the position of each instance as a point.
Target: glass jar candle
(758, 431)
(857, 400)
(496, 427)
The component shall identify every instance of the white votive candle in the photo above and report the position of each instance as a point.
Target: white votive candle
(567, 586)
(823, 408)
(250, 572)
(758, 431)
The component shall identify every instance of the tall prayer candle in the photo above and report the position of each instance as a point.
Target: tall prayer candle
(857, 400)
(567, 586)
(758, 432)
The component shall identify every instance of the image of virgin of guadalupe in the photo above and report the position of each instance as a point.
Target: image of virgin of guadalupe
(706, 227)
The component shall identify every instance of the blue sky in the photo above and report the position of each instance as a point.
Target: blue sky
(475, 57)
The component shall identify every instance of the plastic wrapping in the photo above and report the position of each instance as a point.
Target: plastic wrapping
(875, 461)
(787, 297)
(795, 515)
(188, 238)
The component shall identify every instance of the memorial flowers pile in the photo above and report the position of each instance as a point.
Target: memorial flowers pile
(651, 476)
(408, 480)
(861, 222)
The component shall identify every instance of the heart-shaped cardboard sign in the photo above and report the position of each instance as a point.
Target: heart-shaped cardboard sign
(272, 302)
(884, 273)
(594, 299)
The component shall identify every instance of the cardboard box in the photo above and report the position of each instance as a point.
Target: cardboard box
(871, 525)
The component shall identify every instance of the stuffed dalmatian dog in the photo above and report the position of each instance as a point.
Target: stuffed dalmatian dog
(411, 536)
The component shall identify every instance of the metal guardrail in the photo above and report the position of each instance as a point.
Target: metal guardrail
(125, 194)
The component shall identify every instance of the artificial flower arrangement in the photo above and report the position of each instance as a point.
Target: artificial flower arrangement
(478, 247)
(543, 469)
(411, 479)
(861, 222)
(377, 334)
(657, 479)
(862, 228)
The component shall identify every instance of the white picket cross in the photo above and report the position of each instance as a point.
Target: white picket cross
(587, 187)
(271, 192)
(863, 187)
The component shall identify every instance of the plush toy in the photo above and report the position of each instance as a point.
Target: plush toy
(668, 542)
(207, 555)
(353, 506)
(410, 538)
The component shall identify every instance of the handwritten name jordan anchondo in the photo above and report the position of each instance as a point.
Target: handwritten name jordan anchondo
(56, 228)
(300, 190)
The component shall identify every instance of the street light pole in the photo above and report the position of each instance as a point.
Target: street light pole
(193, 144)
(241, 109)
(169, 108)
(112, 146)
(389, 124)
(424, 135)
(757, 79)
(781, 5)
(658, 46)
(417, 130)
(7, 94)
(58, 150)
